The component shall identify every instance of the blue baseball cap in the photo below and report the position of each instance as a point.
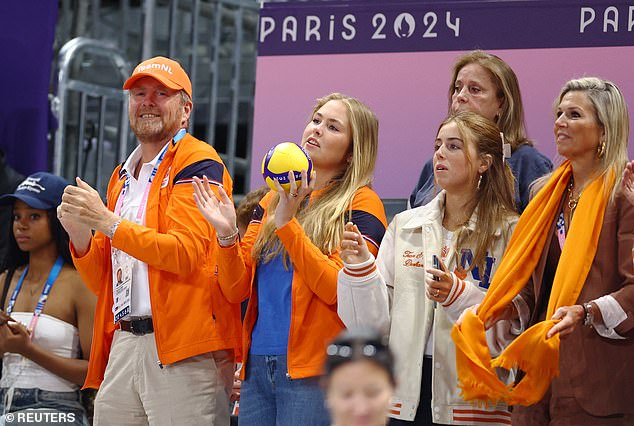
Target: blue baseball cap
(41, 190)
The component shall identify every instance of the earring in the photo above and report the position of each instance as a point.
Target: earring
(601, 149)
(479, 182)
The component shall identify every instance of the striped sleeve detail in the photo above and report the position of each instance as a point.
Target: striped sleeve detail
(395, 408)
(371, 241)
(360, 272)
(457, 290)
(370, 226)
(208, 167)
(484, 417)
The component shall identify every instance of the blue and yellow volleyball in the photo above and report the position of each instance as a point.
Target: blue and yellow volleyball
(283, 158)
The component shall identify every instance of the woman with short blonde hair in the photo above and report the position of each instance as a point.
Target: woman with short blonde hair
(570, 262)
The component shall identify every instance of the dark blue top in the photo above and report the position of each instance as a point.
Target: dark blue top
(526, 163)
(270, 333)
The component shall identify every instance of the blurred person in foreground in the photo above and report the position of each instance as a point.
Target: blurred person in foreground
(359, 378)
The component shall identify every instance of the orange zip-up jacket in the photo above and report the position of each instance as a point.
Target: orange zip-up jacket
(189, 312)
(314, 319)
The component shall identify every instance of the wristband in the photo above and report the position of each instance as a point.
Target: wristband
(229, 238)
(589, 317)
(113, 229)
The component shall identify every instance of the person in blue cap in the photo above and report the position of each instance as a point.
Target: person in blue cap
(46, 341)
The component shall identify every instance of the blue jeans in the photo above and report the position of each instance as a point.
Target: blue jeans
(268, 397)
(57, 407)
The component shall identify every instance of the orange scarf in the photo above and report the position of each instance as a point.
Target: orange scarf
(531, 351)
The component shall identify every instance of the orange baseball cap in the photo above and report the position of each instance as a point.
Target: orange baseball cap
(165, 70)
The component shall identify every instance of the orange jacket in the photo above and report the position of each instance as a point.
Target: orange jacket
(190, 314)
(314, 319)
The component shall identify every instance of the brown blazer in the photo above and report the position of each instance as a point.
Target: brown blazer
(597, 371)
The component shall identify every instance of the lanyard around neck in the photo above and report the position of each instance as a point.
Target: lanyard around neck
(561, 230)
(146, 192)
(52, 276)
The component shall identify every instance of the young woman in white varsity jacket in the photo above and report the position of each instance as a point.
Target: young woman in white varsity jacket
(466, 227)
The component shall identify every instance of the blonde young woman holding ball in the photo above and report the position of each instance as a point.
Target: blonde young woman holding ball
(288, 261)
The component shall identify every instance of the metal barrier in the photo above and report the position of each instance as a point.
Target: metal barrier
(81, 134)
(214, 40)
(217, 63)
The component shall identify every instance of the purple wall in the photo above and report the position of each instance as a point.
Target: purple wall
(408, 90)
(26, 43)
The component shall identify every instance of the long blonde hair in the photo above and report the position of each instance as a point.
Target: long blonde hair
(323, 222)
(494, 199)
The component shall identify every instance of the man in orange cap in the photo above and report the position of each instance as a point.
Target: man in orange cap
(164, 339)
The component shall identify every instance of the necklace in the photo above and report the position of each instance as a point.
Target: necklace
(572, 201)
(33, 289)
(452, 225)
(33, 285)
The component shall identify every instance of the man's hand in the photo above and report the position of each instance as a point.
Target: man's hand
(82, 205)
(79, 234)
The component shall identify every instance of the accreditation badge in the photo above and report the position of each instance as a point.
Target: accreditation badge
(121, 283)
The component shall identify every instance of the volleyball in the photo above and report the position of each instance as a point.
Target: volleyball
(283, 158)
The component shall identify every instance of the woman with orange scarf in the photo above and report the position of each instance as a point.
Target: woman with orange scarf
(570, 261)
